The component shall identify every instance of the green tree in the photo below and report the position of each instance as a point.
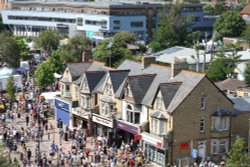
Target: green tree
(48, 40)
(44, 74)
(2, 26)
(245, 36)
(216, 9)
(5, 160)
(11, 89)
(72, 52)
(23, 47)
(114, 51)
(172, 29)
(229, 24)
(247, 73)
(222, 66)
(9, 50)
(237, 155)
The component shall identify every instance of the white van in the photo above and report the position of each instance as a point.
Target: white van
(25, 65)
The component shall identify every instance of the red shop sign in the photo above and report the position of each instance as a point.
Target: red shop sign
(184, 146)
(158, 144)
(137, 137)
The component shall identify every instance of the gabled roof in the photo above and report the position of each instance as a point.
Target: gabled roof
(245, 10)
(189, 81)
(117, 77)
(93, 78)
(139, 85)
(231, 84)
(241, 104)
(162, 75)
(77, 69)
(168, 91)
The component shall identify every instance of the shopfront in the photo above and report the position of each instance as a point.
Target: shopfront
(126, 131)
(62, 109)
(103, 126)
(154, 149)
(81, 119)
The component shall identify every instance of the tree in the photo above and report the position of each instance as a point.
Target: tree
(115, 50)
(222, 66)
(44, 74)
(172, 29)
(72, 52)
(247, 73)
(245, 36)
(11, 89)
(2, 26)
(229, 24)
(23, 47)
(9, 50)
(237, 155)
(216, 9)
(48, 40)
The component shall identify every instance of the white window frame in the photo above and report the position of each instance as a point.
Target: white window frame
(159, 103)
(128, 92)
(216, 145)
(85, 84)
(108, 89)
(220, 124)
(104, 108)
(154, 125)
(130, 111)
(202, 127)
(203, 103)
(85, 102)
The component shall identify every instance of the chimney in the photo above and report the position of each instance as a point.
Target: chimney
(86, 54)
(177, 65)
(147, 60)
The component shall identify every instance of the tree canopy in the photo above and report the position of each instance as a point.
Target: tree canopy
(11, 88)
(172, 29)
(48, 40)
(9, 50)
(44, 74)
(72, 51)
(222, 66)
(229, 24)
(114, 51)
(237, 155)
(216, 9)
(247, 73)
(245, 36)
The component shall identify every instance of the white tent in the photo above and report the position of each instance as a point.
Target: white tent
(57, 75)
(50, 95)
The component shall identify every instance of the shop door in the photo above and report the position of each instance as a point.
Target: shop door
(63, 115)
(202, 150)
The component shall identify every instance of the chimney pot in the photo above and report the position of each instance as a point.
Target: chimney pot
(147, 60)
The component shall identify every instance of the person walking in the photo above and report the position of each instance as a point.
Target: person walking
(27, 118)
(29, 154)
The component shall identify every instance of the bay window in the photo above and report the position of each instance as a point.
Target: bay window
(219, 146)
(106, 108)
(85, 102)
(158, 126)
(132, 116)
(220, 123)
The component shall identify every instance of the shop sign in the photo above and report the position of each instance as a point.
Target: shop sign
(102, 121)
(61, 105)
(184, 146)
(127, 127)
(194, 153)
(158, 144)
(79, 112)
(137, 137)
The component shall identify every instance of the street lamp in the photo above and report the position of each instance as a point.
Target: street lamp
(109, 47)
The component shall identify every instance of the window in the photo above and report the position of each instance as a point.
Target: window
(79, 21)
(203, 103)
(108, 89)
(202, 125)
(116, 24)
(219, 146)
(67, 91)
(159, 103)
(162, 126)
(245, 94)
(105, 109)
(154, 125)
(85, 102)
(128, 92)
(132, 116)
(136, 24)
(220, 123)
(76, 91)
(85, 84)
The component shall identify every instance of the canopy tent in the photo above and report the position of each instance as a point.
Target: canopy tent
(5, 72)
(50, 95)
(57, 75)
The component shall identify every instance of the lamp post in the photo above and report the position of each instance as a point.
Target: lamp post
(109, 47)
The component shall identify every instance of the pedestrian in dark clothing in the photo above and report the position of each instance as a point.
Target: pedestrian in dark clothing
(29, 153)
(27, 119)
